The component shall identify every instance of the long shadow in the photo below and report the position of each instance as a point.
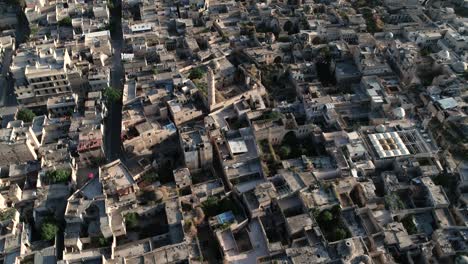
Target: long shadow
(112, 128)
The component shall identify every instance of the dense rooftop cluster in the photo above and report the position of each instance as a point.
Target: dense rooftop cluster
(222, 131)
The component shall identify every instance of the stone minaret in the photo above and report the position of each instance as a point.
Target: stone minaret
(211, 89)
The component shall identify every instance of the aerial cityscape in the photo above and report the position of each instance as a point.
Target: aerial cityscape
(233, 131)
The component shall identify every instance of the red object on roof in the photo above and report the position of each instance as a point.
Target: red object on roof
(90, 175)
(89, 144)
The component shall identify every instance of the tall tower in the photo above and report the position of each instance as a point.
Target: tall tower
(211, 89)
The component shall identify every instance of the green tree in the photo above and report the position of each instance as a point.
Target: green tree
(326, 217)
(103, 242)
(25, 115)
(425, 52)
(49, 230)
(150, 176)
(408, 223)
(210, 206)
(340, 234)
(7, 214)
(131, 220)
(59, 175)
(112, 94)
(196, 73)
(65, 22)
(284, 151)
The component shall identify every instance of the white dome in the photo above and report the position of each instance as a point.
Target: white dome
(380, 128)
(461, 260)
(389, 35)
(158, 195)
(399, 112)
(444, 54)
(460, 66)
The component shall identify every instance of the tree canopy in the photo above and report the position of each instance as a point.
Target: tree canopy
(196, 73)
(112, 94)
(59, 175)
(49, 231)
(26, 115)
(65, 22)
(131, 220)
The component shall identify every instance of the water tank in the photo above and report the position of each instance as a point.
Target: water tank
(459, 66)
(380, 128)
(399, 113)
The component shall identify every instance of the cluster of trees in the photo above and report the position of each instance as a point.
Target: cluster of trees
(150, 176)
(292, 147)
(393, 202)
(214, 206)
(26, 115)
(331, 224)
(49, 230)
(196, 73)
(7, 214)
(131, 221)
(270, 162)
(65, 22)
(59, 175)
(374, 24)
(112, 94)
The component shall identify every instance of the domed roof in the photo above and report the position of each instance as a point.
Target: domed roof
(461, 260)
(158, 195)
(399, 112)
(444, 54)
(346, 248)
(460, 66)
(380, 128)
(389, 35)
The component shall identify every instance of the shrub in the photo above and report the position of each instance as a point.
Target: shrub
(112, 94)
(7, 214)
(284, 152)
(150, 176)
(59, 175)
(408, 223)
(49, 230)
(340, 234)
(393, 202)
(214, 206)
(103, 242)
(196, 73)
(65, 22)
(326, 217)
(25, 115)
(131, 220)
